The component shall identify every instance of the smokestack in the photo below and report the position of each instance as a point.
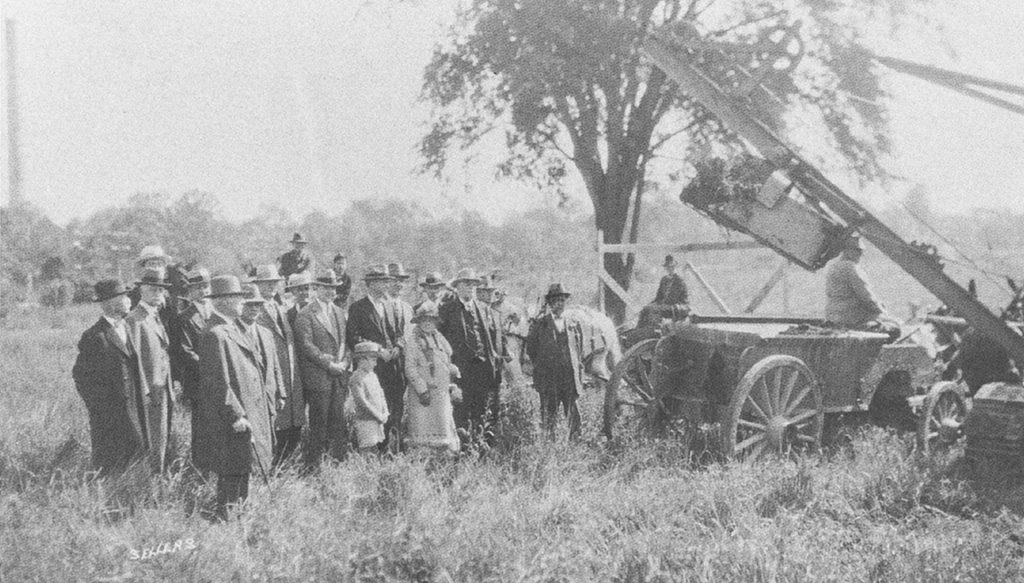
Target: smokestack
(13, 151)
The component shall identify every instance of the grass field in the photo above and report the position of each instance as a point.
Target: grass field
(526, 511)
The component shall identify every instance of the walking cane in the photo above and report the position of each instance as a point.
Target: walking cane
(259, 462)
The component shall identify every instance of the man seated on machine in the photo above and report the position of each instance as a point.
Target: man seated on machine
(849, 301)
(672, 300)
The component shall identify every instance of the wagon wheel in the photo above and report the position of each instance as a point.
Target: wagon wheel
(629, 400)
(942, 417)
(776, 407)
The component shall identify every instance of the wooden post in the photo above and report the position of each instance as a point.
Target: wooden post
(600, 270)
(707, 287)
(777, 275)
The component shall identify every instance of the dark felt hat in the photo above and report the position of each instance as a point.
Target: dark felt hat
(557, 290)
(298, 238)
(433, 279)
(397, 271)
(328, 279)
(670, 261)
(376, 272)
(109, 288)
(199, 277)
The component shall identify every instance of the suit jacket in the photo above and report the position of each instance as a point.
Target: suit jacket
(553, 360)
(343, 289)
(455, 322)
(232, 386)
(320, 339)
(275, 320)
(188, 326)
(106, 375)
(295, 261)
(671, 290)
(366, 325)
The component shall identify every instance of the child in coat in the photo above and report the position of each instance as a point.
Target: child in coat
(366, 405)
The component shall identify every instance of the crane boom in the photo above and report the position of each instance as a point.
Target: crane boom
(680, 66)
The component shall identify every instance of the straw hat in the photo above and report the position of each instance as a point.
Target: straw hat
(266, 272)
(153, 277)
(301, 279)
(152, 252)
(468, 275)
(225, 286)
(367, 349)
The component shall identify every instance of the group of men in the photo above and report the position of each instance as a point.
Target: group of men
(249, 362)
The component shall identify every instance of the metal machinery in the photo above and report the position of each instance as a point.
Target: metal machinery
(779, 383)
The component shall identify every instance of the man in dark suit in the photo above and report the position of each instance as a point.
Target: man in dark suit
(344, 287)
(152, 345)
(238, 433)
(320, 331)
(106, 375)
(556, 347)
(187, 327)
(298, 260)
(671, 288)
(372, 319)
(478, 349)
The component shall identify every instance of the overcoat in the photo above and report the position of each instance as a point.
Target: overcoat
(152, 346)
(189, 325)
(548, 356)
(231, 387)
(274, 319)
(106, 375)
(671, 290)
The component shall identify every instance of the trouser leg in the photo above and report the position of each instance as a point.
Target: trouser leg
(232, 489)
(572, 411)
(549, 413)
(288, 441)
(318, 409)
(337, 429)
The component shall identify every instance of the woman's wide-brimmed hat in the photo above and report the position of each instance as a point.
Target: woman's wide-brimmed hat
(427, 311)
(153, 277)
(433, 279)
(222, 286)
(556, 290)
(301, 279)
(266, 272)
(468, 275)
(108, 288)
(376, 272)
(367, 349)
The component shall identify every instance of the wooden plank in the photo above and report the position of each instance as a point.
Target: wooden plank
(707, 287)
(776, 277)
(616, 288)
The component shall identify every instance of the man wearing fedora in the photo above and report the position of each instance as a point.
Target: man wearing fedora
(152, 347)
(475, 334)
(298, 260)
(320, 332)
(236, 434)
(188, 327)
(303, 290)
(372, 319)
(344, 287)
(434, 291)
(555, 345)
(106, 375)
(292, 417)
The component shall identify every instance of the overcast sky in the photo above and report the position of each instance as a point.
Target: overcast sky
(305, 105)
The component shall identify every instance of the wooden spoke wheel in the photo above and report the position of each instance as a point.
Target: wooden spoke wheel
(940, 423)
(630, 402)
(776, 407)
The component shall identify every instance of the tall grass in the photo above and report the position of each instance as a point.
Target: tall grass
(526, 510)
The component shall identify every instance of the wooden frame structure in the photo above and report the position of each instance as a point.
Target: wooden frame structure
(605, 279)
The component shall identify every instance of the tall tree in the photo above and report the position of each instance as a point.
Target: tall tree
(566, 83)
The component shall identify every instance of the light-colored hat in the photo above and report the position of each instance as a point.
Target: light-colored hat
(376, 272)
(252, 294)
(367, 349)
(224, 286)
(198, 277)
(266, 272)
(467, 274)
(152, 252)
(427, 310)
(301, 279)
(328, 279)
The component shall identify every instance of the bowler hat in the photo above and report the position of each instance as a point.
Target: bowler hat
(108, 288)
(376, 272)
(433, 279)
(367, 349)
(397, 271)
(266, 272)
(152, 252)
(301, 279)
(468, 275)
(153, 277)
(670, 261)
(224, 286)
(252, 294)
(298, 238)
(199, 277)
(556, 290)
(427, 310)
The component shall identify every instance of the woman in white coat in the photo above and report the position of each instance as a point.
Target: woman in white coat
(429, 389)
